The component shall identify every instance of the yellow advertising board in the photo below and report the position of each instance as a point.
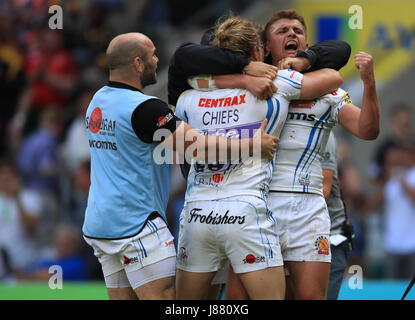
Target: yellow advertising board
(383, 28)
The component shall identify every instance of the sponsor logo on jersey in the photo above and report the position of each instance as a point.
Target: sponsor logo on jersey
(96, 123)
(168, 243)
(128, 261)
(250, 258)
(292, 74)
(222, 102)
(99, 144)
(211, 218)
(163, 120)
(304, 178)
(217, 178)
(346, 98)
(322, 245)
(301, 116)
(182, 255)
(302, 104)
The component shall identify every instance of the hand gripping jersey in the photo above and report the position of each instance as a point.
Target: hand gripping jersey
(235, 113)
(302, 143)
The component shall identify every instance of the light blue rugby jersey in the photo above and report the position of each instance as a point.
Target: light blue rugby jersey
(126, 184)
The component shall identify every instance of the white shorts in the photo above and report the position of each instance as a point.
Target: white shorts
(303, 226)
(153, 244)
(240, 229)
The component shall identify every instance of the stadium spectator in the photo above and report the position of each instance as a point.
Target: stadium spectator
(65, 255)
(75, 148)
(20, 209)
(401, 131)
(51, 76)
(399, 208)
(38, 155)
(12, 78)
(39, 166)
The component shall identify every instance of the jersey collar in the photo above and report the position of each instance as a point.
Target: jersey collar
(116, 84)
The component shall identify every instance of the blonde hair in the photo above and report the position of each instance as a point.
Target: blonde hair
(239, 35)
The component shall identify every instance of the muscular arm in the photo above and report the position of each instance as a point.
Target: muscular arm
(363, 123)
(327, 182)
(318, 83)
(193, 59)
(314, 84)
(154, 114)
(187, 140)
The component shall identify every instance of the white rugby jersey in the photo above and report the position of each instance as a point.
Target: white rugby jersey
(235, 113)
(302, 143)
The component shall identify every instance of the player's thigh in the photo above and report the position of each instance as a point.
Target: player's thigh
(193, 285)
(265, 284)
(160, 289)
(119, 287)
(309, 279)
(121, 294)
(154, 281)
(235, 290)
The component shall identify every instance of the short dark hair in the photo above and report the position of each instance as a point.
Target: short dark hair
(284, 14)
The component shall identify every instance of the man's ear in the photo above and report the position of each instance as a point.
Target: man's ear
(306, 46)
(138, 64)
(267, 49)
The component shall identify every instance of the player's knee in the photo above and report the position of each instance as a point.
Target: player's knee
(307, 294)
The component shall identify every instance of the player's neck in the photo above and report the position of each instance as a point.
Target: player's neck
(127, 80)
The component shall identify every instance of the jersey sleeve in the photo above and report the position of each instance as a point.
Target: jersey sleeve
(180, 109)
(289, 83)
(337, 99)
(150, 116)
(329, 160)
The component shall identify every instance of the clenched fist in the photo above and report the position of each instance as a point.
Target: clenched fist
(299, 64)
(364, 63)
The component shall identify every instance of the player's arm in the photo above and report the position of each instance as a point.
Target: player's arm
(318, 83)
(154, 114)
(327, 182)
(364, 123)
(193, 59)
(187, 140)
(312, 85)
(261, 87)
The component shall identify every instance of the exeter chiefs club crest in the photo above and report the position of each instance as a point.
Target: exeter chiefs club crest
(322, 245)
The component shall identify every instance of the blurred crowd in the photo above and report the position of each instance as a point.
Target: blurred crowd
(47, 78)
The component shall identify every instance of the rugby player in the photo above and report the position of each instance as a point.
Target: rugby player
(225, 214)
